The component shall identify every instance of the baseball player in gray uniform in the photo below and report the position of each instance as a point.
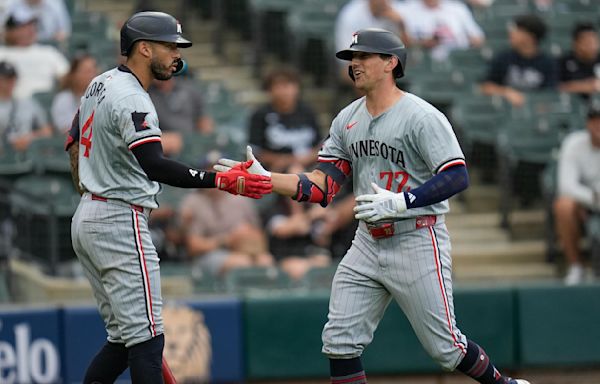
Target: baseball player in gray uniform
(406, 162)
(118, 163)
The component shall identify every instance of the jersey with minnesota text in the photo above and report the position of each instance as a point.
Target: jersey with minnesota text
(399, 150)
(116, 115)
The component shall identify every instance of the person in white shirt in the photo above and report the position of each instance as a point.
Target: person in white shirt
(441, 25)
(21, 121)
(53, 20)
(361, 14)
(578, 190)
(66, 102)
(39, 66)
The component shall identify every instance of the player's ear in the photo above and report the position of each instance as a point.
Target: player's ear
(145, 48)
(391, 64)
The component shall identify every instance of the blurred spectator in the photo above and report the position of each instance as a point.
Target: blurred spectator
(285, 130)
(222, 232)
(53, 20)
(361, 14)
(579, 70)
(479, 3)
(578, 190)
(73, 85)
(335, 226)
(523, 67)
(21, 120)
(441, 25)
(38, 65)
(181, 109)
(291, 229)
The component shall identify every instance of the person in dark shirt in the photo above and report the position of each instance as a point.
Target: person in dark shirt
(180, 106)
(579, 69)
(523, 67)
(284, 131)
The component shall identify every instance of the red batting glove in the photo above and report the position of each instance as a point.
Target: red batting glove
(238, 181)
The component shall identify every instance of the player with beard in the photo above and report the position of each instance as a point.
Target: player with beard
(117, 162)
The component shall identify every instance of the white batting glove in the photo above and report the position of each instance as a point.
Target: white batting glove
(381, 205)
(224, 165)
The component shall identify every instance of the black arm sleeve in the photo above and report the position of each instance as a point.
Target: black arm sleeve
(167, 171)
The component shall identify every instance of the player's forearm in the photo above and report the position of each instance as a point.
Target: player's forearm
(163, 170)
(489, 88)
(74, 161)
(580, 86)
(196, 245)
(284, 183)
(439, 188)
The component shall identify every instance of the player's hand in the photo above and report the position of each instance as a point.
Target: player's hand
(238, 181)
(381, 205)
(223, 165)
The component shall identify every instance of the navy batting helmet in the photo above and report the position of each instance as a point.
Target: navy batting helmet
(376, 40)
(152, 26)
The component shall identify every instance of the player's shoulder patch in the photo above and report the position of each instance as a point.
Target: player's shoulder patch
(139, 121)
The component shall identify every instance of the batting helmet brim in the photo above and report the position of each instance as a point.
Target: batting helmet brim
(347, 54)
(181, 42)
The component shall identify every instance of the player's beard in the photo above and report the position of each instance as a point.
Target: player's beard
(159, 71)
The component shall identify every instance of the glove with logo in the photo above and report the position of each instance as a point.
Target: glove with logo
(238, 181)
(381, 205)
(224, 165)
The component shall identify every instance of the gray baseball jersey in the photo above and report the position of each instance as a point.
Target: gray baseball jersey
(116, 114)
(399, 150)
(109, 230)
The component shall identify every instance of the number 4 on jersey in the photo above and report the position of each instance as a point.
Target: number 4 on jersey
(86, 141)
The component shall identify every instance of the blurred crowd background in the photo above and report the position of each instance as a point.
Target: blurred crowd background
(518, 79)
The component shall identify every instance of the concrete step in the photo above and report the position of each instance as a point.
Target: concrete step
(481, 198)
(458, 218)
(505, 273)
(478, 235)
(498, 252)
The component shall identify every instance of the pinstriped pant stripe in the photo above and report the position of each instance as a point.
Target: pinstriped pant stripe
(438, 266)
(144, 271)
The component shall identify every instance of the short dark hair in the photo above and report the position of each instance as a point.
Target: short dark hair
(533, 25)
(593, 110)
(284, 73)
(583, 27)
(7, 70)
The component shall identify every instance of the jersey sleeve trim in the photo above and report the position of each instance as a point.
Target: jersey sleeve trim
(143, 140)
(329, 159)
(450, 163)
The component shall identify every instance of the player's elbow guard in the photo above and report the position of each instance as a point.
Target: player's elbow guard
(309, 191)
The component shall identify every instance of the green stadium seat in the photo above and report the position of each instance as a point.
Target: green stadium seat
(14, 164)
(247, 280)
(175, 269)
(44, 99)
(545, 102)
(272, 5)
(478, 118)
(171, 196)
(42, 207)
(533, 140)
(44, 194)
(319, 278)
(4, 291)
(441, 88)
(506, 9)
(196, 147)
(48, 155)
